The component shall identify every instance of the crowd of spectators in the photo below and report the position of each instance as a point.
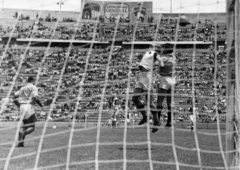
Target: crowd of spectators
(70, 66)
(204, 32)
(69, 20)
(195, 75)
(166, 31)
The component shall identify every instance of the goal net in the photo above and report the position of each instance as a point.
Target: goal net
(86, 69)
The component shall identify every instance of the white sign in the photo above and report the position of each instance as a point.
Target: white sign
(117, 10)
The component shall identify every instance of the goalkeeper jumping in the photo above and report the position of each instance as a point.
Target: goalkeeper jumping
(144, 82)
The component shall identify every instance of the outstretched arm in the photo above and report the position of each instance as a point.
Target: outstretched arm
(35, 97)
(15, 99)
(160, 59)
(36, 100)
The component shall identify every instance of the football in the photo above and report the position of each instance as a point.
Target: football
(183, 21)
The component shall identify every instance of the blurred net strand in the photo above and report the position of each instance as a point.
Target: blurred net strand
(231, 117)
(193, 95)
(10, 90)
(93, 128)
(115, 144)
(215, 92)
(172, 100)
(8, 42)
(3, 56)
(149, 98)
(103, 94)
(59, 83)
(54, 99)
(80, 93)
(237, 80)
(130, 161)
(9, 93)
(79, 19)
(87, 129)
(127, 98)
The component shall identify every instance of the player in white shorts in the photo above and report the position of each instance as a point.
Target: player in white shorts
(145, 80)
(27, 97)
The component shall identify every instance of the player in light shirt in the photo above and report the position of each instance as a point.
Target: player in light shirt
(27, 97)
(145, 81)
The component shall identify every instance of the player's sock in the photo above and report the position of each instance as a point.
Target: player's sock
(144, 117)
(169, 118)
(20, 139)
(159, 111)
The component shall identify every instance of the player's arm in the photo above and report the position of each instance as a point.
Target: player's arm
(15, 99)
(36, 100)
(35, 97)
(159, 59)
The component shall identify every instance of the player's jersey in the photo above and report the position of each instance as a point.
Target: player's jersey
(26, 93)
(167, 69)
(148, 60)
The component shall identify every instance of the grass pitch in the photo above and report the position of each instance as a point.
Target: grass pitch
(111, 149)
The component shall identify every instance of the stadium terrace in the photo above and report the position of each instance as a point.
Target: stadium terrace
(99, 73)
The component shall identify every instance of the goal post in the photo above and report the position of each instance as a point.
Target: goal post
(233, 84)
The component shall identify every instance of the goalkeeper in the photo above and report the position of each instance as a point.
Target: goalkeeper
(27, 97)
(166, 82)
(143, 83)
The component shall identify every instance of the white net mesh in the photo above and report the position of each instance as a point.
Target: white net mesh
(85, 69)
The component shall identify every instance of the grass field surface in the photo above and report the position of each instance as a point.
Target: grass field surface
(111, 149)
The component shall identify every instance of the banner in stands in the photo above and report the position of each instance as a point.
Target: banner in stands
(111, 11)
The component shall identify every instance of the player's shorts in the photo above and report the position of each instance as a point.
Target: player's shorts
(144, 81)
(26, 111)
(30, 122)
(166, 82)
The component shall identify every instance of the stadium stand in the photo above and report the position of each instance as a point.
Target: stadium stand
(119, 66)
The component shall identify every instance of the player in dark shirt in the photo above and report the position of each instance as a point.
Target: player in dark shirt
(145, 81)
(166, 82)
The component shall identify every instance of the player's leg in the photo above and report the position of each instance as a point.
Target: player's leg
(21, 135)
(29, 126)
(139, 105)
(162, 93)
(169, 106)
(192, 121)
(69, 121)
(156, 120)
(192, 125)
